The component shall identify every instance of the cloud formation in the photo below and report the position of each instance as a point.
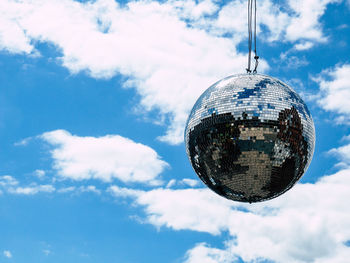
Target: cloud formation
(11, 185)
(7, 253)
(335, 91)
(305, 24)
(170, 51)
(39, 174)
(103, 158)
(342, 153)
(202, 253)
(32, 189)
(8, 181)
(310, 223)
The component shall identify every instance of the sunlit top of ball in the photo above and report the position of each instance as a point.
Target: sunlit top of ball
(250, 137)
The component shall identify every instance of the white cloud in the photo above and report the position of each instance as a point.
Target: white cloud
(66, 189)
(79, 190)
(304, 46)
(171, 183)
(83, 189)
(305, 24)
(232, 18)
(298, 21)
(182, 182)
(155, 43)
(346, 138)
(343, 153)
(23, 142)
(292, 62)
(89, 189)
(201, 253)
(12, 35)
(194, 10)
(31, 190)
(7, 180)
(190, 182)
(181, 209)
(123, 192)
(335, 91)
(39, 173)
(309, 223)
(104, 158)
(7, 253)
(11, 185)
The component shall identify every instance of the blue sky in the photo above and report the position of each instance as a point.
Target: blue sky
(94, 96)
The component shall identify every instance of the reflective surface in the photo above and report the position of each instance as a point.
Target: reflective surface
(250, 137)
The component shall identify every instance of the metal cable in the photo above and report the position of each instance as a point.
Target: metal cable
(250, 36)
(256, 57)
(250, 2)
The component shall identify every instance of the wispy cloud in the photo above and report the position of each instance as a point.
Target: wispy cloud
(23, 142)
(89, 189)
(68, 189)
(342, 153)
(31, 190)
(185, 182)
(39, 173)
(203, 253)
(7, 180)
(7, 253)
(11, 185)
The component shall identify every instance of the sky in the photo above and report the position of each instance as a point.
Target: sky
(94, 96)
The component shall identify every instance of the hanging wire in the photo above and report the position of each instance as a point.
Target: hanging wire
(250, 2)
(250, 36)
(256, 57)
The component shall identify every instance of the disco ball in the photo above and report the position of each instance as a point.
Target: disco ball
(250, 137)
